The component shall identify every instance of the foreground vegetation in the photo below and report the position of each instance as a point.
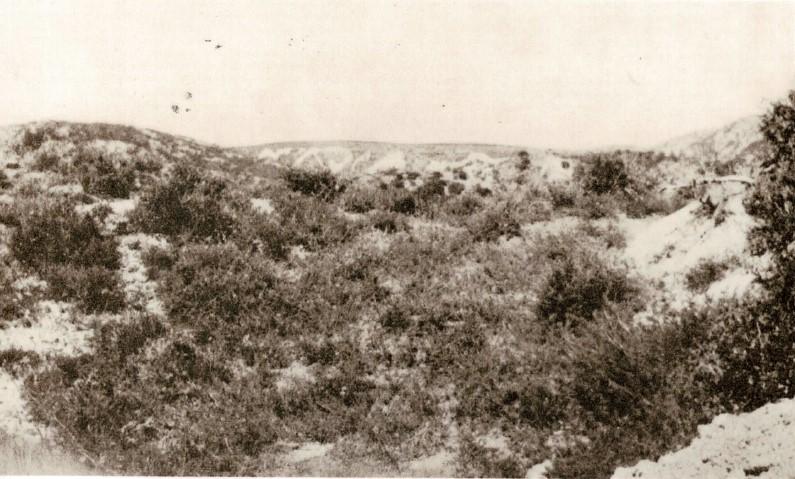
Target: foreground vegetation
(426, 318)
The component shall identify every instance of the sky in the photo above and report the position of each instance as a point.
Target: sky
(559, 75)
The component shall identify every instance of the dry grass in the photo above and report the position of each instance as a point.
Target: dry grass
(21, 458)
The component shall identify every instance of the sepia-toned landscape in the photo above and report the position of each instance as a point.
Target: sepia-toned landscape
(173, 307)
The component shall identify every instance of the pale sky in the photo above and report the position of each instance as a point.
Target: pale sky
(571, 75)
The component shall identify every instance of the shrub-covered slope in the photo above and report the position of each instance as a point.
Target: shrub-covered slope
(222, 313)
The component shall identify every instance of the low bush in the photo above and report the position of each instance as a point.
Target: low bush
(5, 183)
(319, 184)
(102, 175)
(751, 344)
(610, 234)
(189, 203)
(494, 224)
(94, 289)
(463, 205)
(52, 233)
(602, 173)
(30, 140)
(311, 223)
(388, 222)
(216, 284)
(46, 161)
(262, 233)
(706, 272)
(360, 200)
(455, 188)
(71, 254)
(639, 391)
(562, 196)
(10, 303)
(15, 361)
(579, 286)
(9, 215)
(405, 204)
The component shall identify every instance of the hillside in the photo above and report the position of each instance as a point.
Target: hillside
(362, 308)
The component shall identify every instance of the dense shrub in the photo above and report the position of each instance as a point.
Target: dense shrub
(359, 200)
(706, 272)
(615, 181)
(455, 188)
(54, 234)
(157, 261)
(262, 233)
(215, 284)
(405, 204)
(95, 289)
(432, 189)
(464, 205)
(320, 184)
(311, 223)
(482, 190)
(10, 302)
(524, 161)
(610, 234)
(756, 339)
(31, 140)
(388, 222)
(494, 224)
(5, 183)
(15, 360)
(188, 203)
(563, 196)
(639, 391)
(71, 254)
(580, 285)
(601, 174)
(101, 175)
(46, 161)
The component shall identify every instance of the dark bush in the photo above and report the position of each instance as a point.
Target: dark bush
(101, 175)
(455, 188)
(309, 222)
(706, 272)
(5, 183)
(216, 284)
(563, 196)
(46, 161)
(601, 174)
(579, 286)
(493, 224)
(320, 184)
(94, 289)
(262, 233)
(157, 261)
(31, 140)
(431, 190)
(524, 161)
(395, 319)
(405, 205)
(10, 302)
(639, 391)
(54, 234)
(482, 190)
(189, 203)
(15, 360)
(388, 222)
(464, 205)
(71, 254)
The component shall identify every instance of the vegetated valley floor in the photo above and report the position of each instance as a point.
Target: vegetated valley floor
(175, 308)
